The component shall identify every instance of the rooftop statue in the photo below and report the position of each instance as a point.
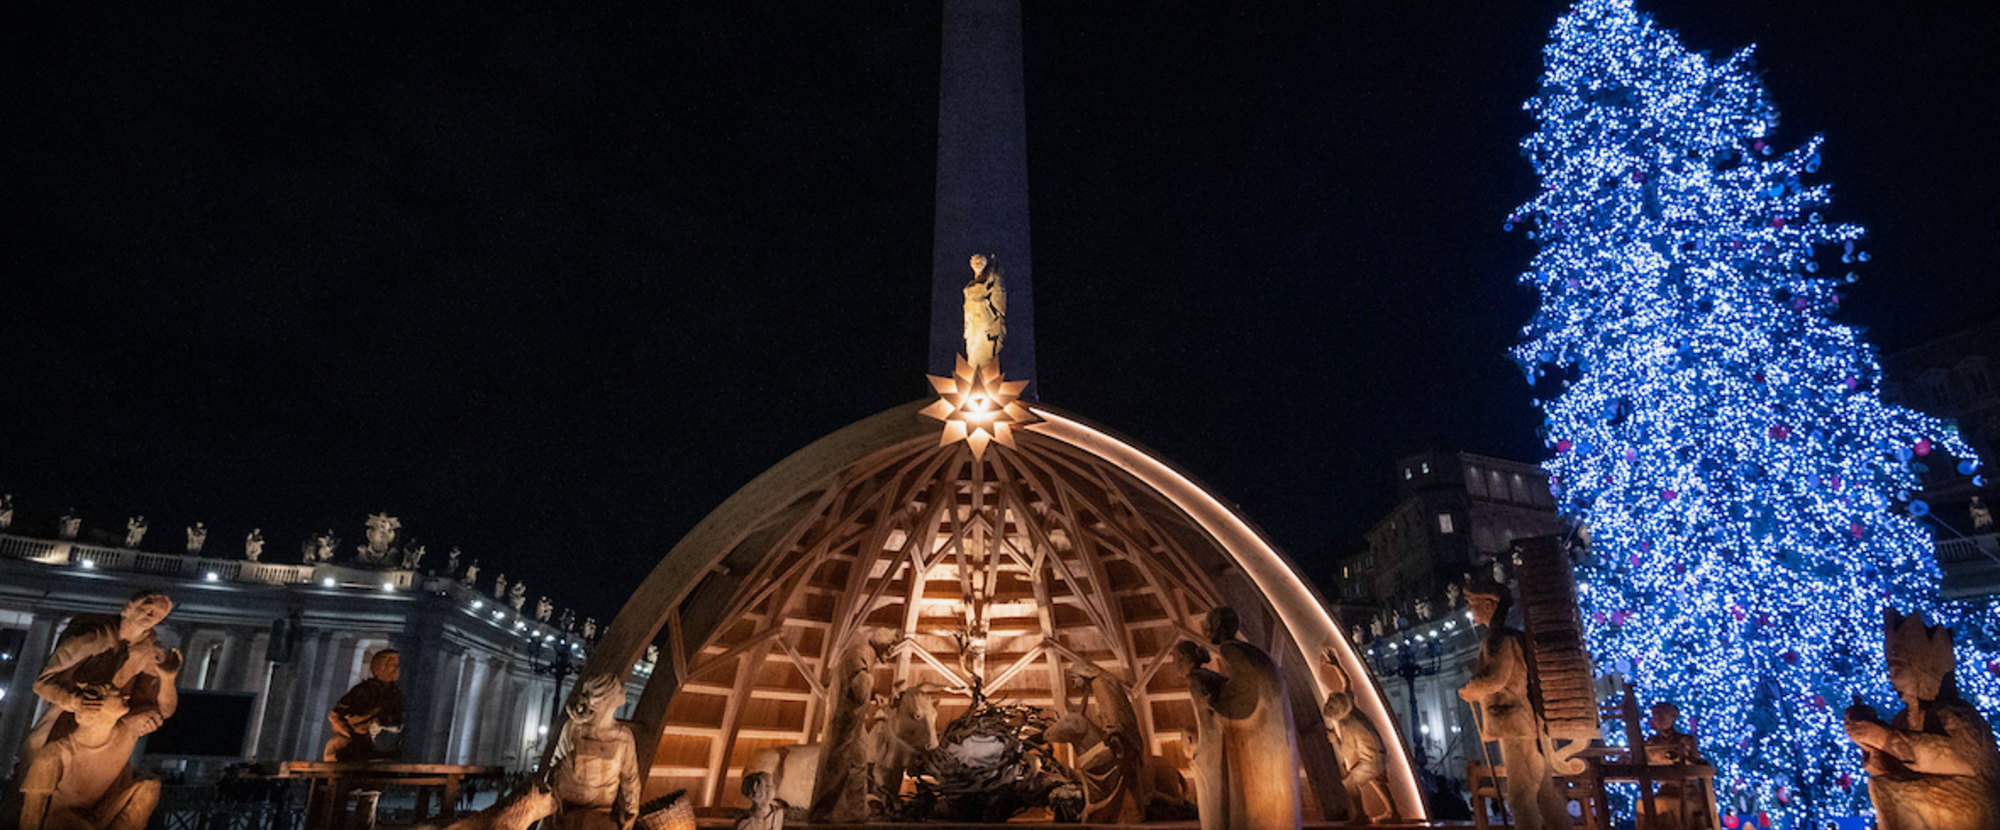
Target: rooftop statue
(500, 587)
(1934, 766)
(68, 525)
(6, 510)
(135, 530)
(451, 561)
(985, 311)
(367, 720)
(197, 537)
(253, 544)
(413, 555)
(381, 533)
(471, 576)
(518, 596)
(544, 609)
(594, 770)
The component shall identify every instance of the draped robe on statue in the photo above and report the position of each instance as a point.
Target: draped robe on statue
(1260, 751)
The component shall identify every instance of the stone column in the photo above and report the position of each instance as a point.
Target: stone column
(19, 713)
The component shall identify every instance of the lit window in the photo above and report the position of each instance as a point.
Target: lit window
(1444, 522)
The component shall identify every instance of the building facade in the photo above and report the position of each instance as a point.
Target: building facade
(1458, 514)
(478, 676)
(1952, 377)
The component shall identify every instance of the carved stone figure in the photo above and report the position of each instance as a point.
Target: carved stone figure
(1452, 593)
(1499, 688)
(119, 651)
(1101, 761)
(1982, 516)
(907, 731)
(6, 510)
(652, 655)
(197, 537)
(840, 788)
(1375, 627)
(544, 609)
(320, 548)
(381, 532)
(253, 544)
(1669, 745)
(985, 311)
(1423, 609)
(135, 530)
(1260, 747)
(1364, 774)
(451, 561)
(368, 712)
(84, 780)
(595, 768)
(566, 620)
(500, 587)
(1212, 785)
(1113, 781)
(590, 629)
(764, 813)
(413, 555)
(518, 595)
(471, 577)
(1934, 766)
(68, 526)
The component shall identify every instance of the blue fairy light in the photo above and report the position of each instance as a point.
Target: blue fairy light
(1721, 436)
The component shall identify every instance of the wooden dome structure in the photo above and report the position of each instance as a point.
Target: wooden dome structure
(1011, 563)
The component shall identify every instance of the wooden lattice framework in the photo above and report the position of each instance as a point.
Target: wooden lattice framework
(1048, 552)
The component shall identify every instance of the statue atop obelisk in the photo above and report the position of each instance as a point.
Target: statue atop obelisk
(982, 195)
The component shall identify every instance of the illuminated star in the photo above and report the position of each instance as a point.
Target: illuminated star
(978, 406)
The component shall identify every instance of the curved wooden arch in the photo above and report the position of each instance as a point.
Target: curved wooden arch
(1073, 545)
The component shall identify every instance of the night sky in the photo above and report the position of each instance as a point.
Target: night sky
(550, 283)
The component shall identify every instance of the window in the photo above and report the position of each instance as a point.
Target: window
(1475, 481)
(1444, 522)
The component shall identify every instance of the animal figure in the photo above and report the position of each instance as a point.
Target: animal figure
(907, 728)
(1098, 763)
(517, 811)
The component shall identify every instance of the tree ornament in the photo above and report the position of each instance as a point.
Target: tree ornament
(1680, 286)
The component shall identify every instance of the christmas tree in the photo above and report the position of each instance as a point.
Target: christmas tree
(1745, 488)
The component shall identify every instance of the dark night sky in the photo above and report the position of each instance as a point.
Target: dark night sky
(550, 284)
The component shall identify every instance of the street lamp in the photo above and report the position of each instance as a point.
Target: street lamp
(1404, 663)
(560, 665)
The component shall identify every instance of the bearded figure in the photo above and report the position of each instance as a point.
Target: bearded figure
(1934, 766)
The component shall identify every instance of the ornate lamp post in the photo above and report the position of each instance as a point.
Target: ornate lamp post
(1405, 663)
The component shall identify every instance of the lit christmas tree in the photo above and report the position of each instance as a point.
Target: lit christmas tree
(1746, 490)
